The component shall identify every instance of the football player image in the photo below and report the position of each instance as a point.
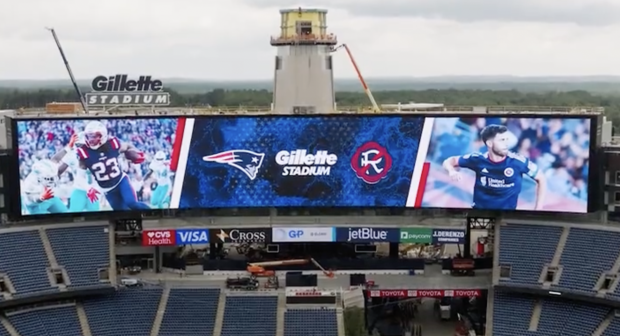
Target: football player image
(499, 172)
(85, 194)
(39, 187)
(100, 156)
(160, 170)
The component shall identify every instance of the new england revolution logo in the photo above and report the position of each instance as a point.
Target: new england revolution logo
(371, 162)
(246, 161)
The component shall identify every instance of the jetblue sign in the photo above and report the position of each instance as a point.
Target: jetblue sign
(303, 234)
(445, 236)
(192, 236)
(368, 235)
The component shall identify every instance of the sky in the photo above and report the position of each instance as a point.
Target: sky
(229, 40)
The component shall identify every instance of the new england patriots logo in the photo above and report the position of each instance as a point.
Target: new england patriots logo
(247, 161)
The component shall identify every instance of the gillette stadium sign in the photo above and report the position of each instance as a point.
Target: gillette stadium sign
(122, 90)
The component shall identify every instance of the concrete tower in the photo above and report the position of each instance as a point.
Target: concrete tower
(304, 79)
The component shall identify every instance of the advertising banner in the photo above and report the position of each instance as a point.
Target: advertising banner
(368, 235)
(416, 235)
(421, 293)
(159, 238)
(120, 164)
(240, 235)
(192, 236)
(448, 236)
(303, 234)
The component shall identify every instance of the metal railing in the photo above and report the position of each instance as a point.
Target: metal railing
(260, 110)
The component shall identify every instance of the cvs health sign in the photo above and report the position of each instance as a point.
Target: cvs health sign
(159, 238)
(192, 236)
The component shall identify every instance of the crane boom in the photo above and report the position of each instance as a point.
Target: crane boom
(73, 81)
(375, 107)
(258, 268)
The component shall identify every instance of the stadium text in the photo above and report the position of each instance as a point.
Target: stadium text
(132, 99)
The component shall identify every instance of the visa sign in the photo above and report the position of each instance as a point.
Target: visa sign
(368, 235)
(192, 236)
(158, 238)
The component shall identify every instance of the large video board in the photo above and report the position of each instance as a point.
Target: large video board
(90, 165)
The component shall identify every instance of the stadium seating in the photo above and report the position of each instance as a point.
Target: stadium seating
(190, 312)
(82, 251)
(23, 258)
(614, 328)
(250, 316)
(3, 331)
(310, 322)
(126, 312)
(587, 254)
(57, 321)
(512, 314)
(527, 248)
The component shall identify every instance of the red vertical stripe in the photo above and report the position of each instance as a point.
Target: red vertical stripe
(422, 185)
(176, 147)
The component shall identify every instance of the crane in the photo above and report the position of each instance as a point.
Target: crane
(375, 107)
(258, 269)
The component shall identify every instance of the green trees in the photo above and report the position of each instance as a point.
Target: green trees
(13, 99)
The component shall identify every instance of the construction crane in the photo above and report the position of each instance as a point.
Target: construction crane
(375, 107)
(258, 269)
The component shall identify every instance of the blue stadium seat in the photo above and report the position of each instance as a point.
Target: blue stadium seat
(23, 258)
(59, 321)
(126, 312)
(190, 312)
(310, 322)
(250, 316)
(527, 248)
(587, 254)
(512, 314)
(614, 328)
(82, 251)
(3, 331)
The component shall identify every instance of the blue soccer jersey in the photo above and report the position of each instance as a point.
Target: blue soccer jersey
(498, 184)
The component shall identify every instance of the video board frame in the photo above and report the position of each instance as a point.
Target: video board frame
(592, 182)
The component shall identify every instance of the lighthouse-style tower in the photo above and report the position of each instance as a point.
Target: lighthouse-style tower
(304, 78)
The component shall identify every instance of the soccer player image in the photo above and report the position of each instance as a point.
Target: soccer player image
(160, 170)
(100, 156)
(39, 187)
(508, 163)
(499, 172)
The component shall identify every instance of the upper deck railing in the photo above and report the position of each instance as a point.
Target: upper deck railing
(259, 110)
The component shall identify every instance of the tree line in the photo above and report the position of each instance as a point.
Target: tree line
(15, 99)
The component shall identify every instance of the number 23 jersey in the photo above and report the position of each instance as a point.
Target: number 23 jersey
(103, 163)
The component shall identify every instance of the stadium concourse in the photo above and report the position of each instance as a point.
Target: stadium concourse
(62, 280)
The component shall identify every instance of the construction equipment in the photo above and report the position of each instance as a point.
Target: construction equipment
(258, 269)
(245, 283)
(375, 107)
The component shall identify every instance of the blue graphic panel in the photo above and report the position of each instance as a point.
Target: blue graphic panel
(300, 161)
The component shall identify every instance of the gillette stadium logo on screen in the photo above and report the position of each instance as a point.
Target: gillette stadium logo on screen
(122, 90)
(301, 163)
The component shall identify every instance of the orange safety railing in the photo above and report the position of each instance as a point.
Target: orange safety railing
(304, 37)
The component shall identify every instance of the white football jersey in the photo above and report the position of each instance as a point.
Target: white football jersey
(82, 178)
(161, 171)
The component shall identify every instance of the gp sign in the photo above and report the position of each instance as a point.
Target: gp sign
(303, 234)
(192, 236)
(445, 236)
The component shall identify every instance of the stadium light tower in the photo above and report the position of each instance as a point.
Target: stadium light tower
(303, 79)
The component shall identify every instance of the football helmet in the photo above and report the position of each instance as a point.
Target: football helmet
(46, 172)
(160, 156)
(96, 134)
